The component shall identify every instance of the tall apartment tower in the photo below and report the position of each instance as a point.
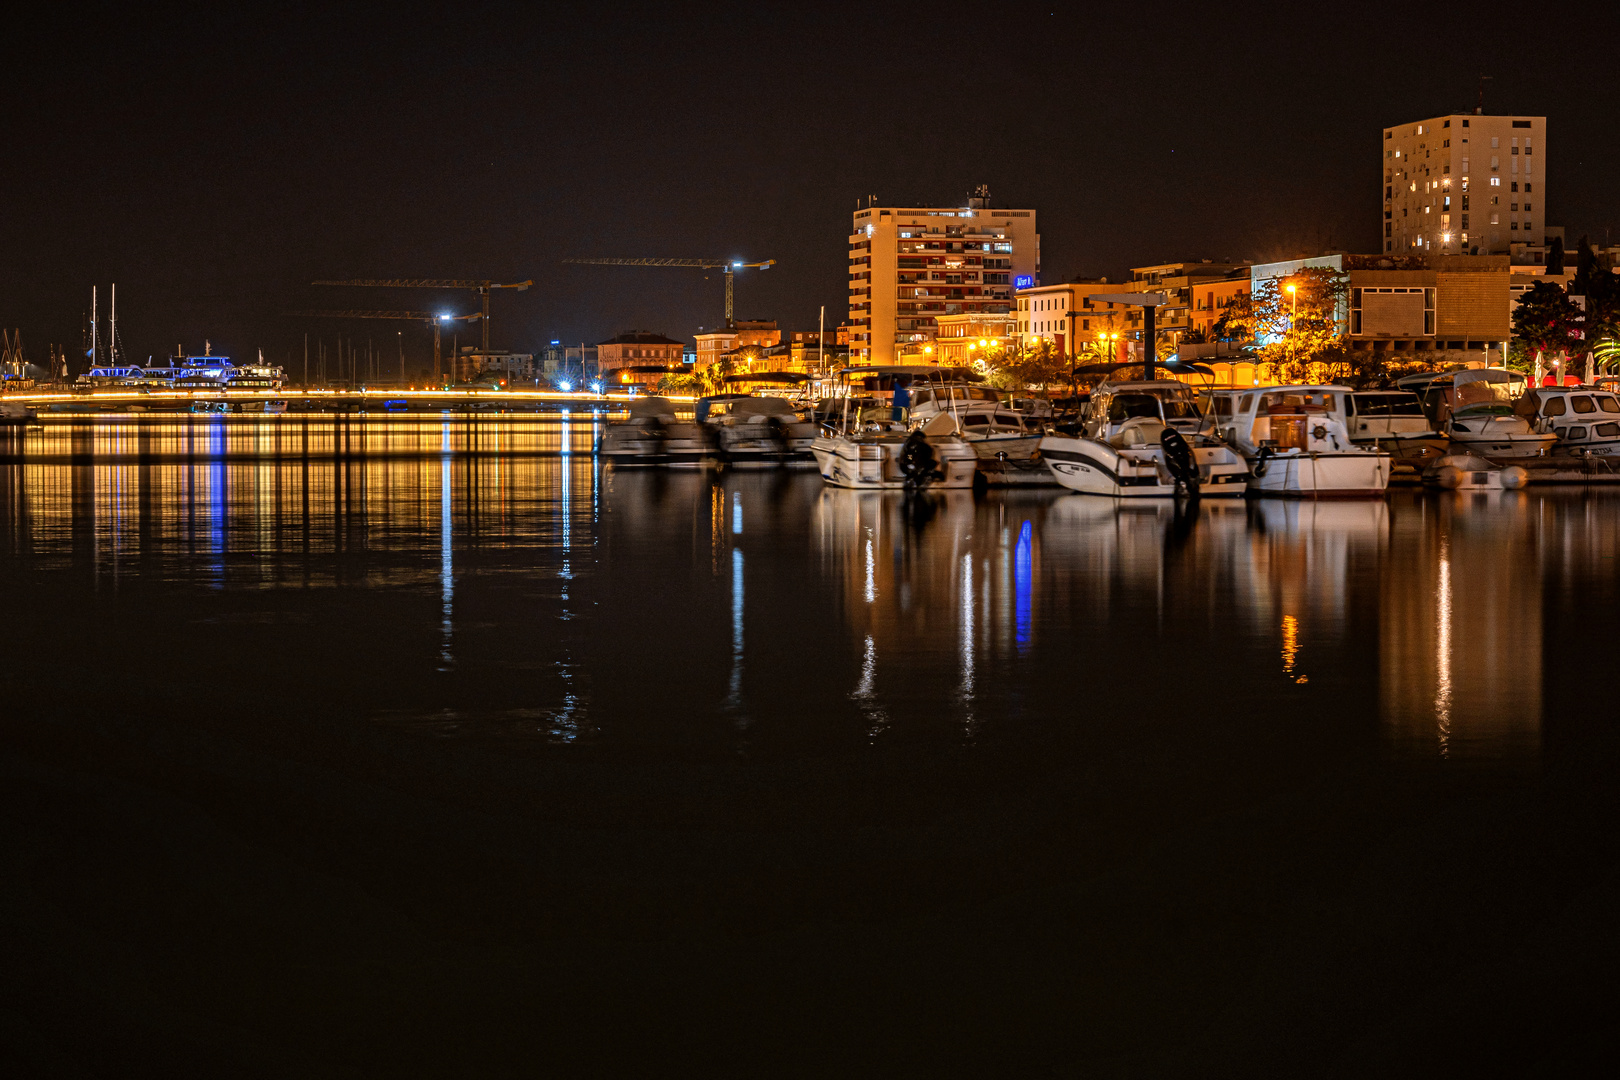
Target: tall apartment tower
(908, 266)
(1465, 183)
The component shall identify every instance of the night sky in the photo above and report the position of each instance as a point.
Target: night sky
(213, 163)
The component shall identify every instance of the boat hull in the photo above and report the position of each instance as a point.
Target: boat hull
(1093, 467)
(1303, 474)
(874, 464)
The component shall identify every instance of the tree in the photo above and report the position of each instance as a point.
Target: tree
(1598, 284)
(1039, 368)
(1293, 321)
(1546, 319)
(679, 384)
(1555, 256)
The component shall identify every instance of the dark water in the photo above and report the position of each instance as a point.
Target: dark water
(426, 748)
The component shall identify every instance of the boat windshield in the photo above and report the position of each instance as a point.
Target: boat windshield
(1129, 406)
(1482, 392)
(1487, 408)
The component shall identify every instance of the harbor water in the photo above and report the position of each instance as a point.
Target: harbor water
(427, 745)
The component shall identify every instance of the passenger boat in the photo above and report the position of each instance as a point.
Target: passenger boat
(651, 436)
(1143, 440)
(1475, 409)
(867, 448)
(1583, 419)
(755, 432)
(1297, 444)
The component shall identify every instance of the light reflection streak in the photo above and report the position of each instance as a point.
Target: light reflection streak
(871, 570)
(866, 692)
(1442, 692)
(965, 640)
(1290, 648)
(1023, 573)
(734, 698)
(446, 566)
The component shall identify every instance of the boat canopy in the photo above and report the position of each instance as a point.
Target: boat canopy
(652, 408)
(1174, 367)
(789, 377)
(915, 371)
(761, 406)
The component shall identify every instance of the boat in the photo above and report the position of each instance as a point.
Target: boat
(1583, 419)
(1475, 409)
(15, 412)
(1394, 421)
(1144, 439)
(1464, 472)
(754, 432)
(864, 447)
(651, 436)
(996, 430)
(1297, 444)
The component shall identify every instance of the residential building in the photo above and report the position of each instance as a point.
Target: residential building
(638, 358)
(1465, 184)
(961, 339)
(509, 368)
(1041, 313)
(910, 265)
(805, 351)
(714, 344)
(1442, 309)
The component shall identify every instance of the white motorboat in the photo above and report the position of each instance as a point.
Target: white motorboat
(1297, 444)
(651, 436)
(1584, 419)
(759, 432)
(1475, 409)
(1392, 420)
(996, 430)
(1143, 440)
(881, 454)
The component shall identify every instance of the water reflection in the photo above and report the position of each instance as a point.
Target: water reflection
(535, 595)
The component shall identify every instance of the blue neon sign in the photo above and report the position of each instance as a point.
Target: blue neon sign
(1024, 281)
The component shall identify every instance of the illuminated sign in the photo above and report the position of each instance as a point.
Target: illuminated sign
(1024, 281)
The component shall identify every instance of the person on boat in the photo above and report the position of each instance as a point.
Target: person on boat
(901, 402)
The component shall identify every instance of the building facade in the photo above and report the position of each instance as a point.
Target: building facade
(909, 266)
(638, 358)
(506, 368)
(1465, 184)
(962, 339)
(713, 345)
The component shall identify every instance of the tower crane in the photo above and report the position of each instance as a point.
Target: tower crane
(482, 288)
(701, 264)
(437, 321)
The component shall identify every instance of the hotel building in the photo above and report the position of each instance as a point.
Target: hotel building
(1465, 184)
(910, 265)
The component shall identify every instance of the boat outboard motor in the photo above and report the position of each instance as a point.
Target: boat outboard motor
(1178, 458)
(917, 461)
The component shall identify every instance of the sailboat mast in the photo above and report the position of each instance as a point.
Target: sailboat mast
(112, 328)
(94, 339)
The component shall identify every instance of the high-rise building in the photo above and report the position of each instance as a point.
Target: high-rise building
(1465, 184)
(910, 265)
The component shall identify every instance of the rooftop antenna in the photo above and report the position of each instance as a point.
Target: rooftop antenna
(1479, 109)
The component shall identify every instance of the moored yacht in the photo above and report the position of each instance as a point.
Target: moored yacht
(1584, 419)
(762, 431)
(652, 436)
(1143, 439)
(1297, 444)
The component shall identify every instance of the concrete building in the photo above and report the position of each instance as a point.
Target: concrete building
(638, 358)
(960, 339)
(509, 368)
(712, 345)
(910, 265)
(1466, 183)
(1041, 313)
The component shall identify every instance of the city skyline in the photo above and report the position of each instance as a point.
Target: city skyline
(213, 188)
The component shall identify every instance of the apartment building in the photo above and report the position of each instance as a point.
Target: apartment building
(715, 344)
(1441, 309)
(961, 339)
(1041, 313)
(1198, 292)
(1465, 184)
(507, 368)
(638, 358)
(910, 265)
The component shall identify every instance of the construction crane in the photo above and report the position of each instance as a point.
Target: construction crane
(699, 264)
(436, 321)
(482, 288)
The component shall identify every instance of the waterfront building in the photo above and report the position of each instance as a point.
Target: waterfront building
(1041, 313)
(963, 338)
(1465, 183)
(910, 265)
(507, 368)
(639, 358)
(713, 345)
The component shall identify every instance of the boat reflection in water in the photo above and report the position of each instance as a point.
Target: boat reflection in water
(1460, 622)
(772, 607)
